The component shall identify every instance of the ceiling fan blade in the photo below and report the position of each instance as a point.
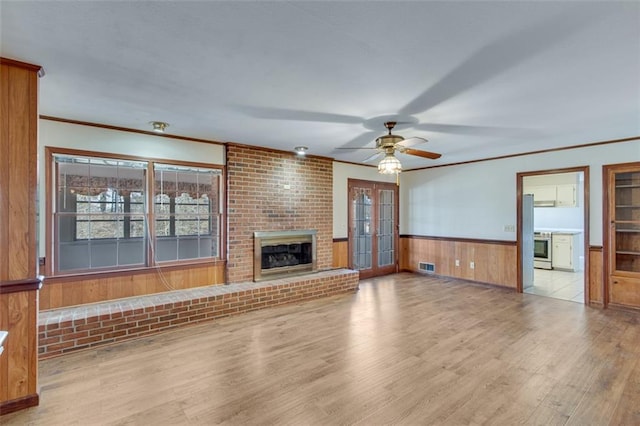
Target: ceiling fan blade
(372, 157)
(297, 115)
(412, 141)
(423, 154)
(499, 56)
(478, 130)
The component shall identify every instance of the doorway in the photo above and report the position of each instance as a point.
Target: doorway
(560, 214)
(373, 227)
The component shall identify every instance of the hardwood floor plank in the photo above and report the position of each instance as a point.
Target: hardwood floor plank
(406, 349)
(610, 383)
(627, 412)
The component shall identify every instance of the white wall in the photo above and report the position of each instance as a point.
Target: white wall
(342, 172)
(558, 218)
(477, 200)
(89, 138)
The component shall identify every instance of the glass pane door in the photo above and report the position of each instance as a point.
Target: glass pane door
(361, 214)
(386, 224)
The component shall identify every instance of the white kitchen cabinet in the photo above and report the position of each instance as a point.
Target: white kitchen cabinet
(566, 195)
(542, 195)
(564, 251)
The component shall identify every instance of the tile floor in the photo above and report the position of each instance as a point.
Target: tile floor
(558, 284)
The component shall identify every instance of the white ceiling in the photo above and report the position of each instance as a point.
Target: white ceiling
(478, 79)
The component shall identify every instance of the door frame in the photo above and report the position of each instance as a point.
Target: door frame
(585, 211)
(374, 185)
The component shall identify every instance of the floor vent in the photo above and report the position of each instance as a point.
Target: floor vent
(427, 267)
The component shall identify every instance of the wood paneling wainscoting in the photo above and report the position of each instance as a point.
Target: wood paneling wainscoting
(19, 361)
(596, 276)
(495, 262)
(77, 290)
(340, 252)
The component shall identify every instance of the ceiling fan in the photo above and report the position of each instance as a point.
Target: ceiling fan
(389, 144)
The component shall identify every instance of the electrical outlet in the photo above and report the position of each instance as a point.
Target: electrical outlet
(472, 265)
(457, 262)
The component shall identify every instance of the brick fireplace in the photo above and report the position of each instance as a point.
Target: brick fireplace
(276, 191)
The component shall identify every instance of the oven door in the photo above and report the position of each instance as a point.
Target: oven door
(542, 253)
(542, 249)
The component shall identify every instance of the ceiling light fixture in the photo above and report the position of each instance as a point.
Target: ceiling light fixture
(159, 126)
(300, 150)
(389, 164)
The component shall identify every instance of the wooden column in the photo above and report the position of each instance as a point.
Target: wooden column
(18, 244)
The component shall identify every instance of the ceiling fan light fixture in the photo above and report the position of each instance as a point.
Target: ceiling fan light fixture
(389, 165)
(159, 126)
(300, 150)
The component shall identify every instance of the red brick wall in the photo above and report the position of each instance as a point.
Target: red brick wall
(258, 201)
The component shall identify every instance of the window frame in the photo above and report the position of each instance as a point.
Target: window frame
(51, 234)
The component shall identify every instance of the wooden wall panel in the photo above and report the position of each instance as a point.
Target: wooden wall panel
(4, 177)
(596, 276)
(18, 243)
(495, 262)
(18, 348)
(4, 359)
(19, 361)
(18, 148)
(70, 291)
(340, 253)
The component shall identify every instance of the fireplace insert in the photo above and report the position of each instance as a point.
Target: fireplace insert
(283, 253)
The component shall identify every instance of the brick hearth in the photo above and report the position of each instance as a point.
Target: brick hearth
(70, 329)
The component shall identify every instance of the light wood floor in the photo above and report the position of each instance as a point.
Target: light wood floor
(405, 349)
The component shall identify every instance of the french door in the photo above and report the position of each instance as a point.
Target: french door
(373, 227)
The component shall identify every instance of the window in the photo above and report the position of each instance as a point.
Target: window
(102, 219)
(186, 212)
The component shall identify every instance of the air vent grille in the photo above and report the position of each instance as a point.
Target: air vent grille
(427, 267)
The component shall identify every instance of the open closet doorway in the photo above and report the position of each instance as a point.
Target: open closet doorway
(373, 227)
(560, 229)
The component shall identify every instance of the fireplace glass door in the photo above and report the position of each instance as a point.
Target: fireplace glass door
(373, 224)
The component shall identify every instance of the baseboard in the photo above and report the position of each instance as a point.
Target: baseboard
(17, 404)
(627, 308)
